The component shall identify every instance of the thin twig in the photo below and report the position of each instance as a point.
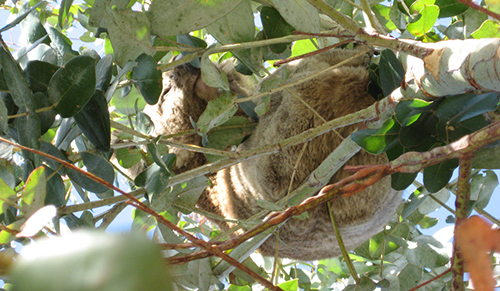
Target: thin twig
(480, 8)
(310, 54)
(340, 241)
(430, 280)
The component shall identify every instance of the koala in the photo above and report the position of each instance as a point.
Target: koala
(235, 190)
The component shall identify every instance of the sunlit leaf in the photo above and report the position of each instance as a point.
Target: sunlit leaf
(173, 17)
(425, 20)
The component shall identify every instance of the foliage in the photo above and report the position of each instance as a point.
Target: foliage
(66, 103)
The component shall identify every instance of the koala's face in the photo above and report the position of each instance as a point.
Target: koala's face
(187, 79)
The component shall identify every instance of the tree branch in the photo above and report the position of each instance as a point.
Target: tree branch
(461, 207)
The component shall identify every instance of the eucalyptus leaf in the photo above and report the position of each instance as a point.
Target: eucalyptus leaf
(62, 45)
(425, 20)
(437, 176)
(377, 141)
(236, 27)
(6, 194)
(218, 111)
(482, 187)
(129, 32)
(34, 192)
(93, 120)
(391, 72)
(299, 13)
(175, 17)
(275, 26)
(72, 86)
(38, 75)
(28, 125)
(126, 262)
(147, 78)
(211, 76)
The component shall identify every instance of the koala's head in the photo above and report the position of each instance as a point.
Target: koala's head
(187, 78)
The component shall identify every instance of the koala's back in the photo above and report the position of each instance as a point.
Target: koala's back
(235, 190)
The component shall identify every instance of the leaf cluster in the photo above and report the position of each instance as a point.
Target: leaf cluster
(69, 104)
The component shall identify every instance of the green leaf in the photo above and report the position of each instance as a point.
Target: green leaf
(462, 114)
(50, 149)
(397, 17)
(199, 273)
(465, 106)
(98, 166)
(419, 5)
(155, 178)
(56, 191)
(437, 176)
(8, 236)
(72, 86)
(428, 222)
(28, 126)
(303, 46)
(7, 195)
(166, 162)
(147, 78)
(222, 139)
(128, 67)
(424, 254)
(61, 44)
(64, 13)
(292, 285)
(430, 205)
(383, 15)
(299, 13)
(25, 14)
(482, 187)
(188, 193)
(7, 173)
(376, 141)
(449, 8)
(275, 26)
(218, 111)
(409, 276)
(489, 29)
(94, 122)
(236, 27)
(104, 72)
(407, 112)
(89, 184)
(128, 157)
(211, 76)
(174, 17)
(125, 262)
(34, 192)
(46, 118)
(391, 72)
(4, 118)
(424, 22)
(129, 32)
(38, 75)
